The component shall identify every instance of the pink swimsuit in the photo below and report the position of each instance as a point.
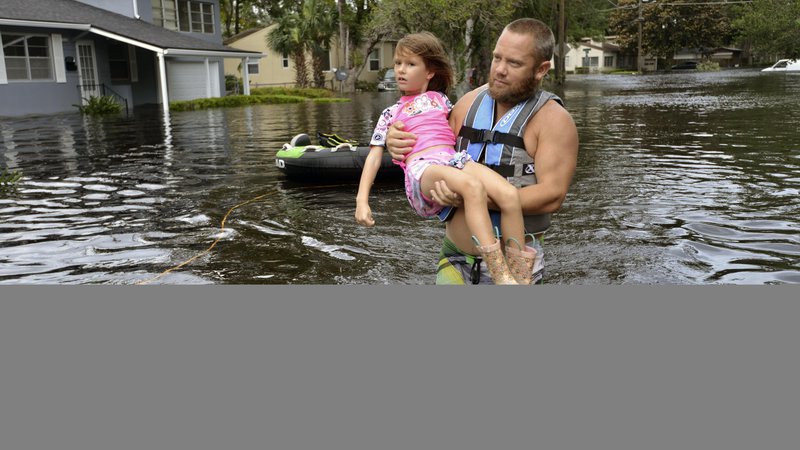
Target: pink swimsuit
(425, 115)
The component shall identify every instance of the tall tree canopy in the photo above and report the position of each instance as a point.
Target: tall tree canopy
(461, 26)
(771, 26)
(307, 27)
(669, 27)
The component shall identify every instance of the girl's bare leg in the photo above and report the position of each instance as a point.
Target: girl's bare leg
(471, 189)
(519, 261)
(477, 216)
(505, 196)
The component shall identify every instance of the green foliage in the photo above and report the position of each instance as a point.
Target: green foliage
(708, 66)
(772, 27)
(9, 178)
(232, 100)
(264, 95)
(233, 84)
(666, 28)
(299, 92)
(239, 15)
(466, 29)
(100, 105)
(586, 18)
(306, 29)
(367, 86)
(287, 38)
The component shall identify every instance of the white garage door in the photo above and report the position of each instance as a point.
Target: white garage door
(188, 80)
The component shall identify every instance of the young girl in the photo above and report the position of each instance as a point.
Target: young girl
(423, 74)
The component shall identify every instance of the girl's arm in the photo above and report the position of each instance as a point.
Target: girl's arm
(368, 174)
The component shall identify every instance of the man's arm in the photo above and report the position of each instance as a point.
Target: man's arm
(399, 142)
(552, 141)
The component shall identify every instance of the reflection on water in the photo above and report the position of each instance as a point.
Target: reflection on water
(682, 178)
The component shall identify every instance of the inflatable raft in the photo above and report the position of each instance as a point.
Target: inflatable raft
(334, 159)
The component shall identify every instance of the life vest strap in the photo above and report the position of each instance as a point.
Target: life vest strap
(490, 136)
(504, 170)
(509, 170)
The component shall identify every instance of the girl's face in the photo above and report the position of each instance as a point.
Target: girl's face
(412, 75)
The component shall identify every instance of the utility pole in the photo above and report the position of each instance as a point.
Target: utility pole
(639, 56)
(561, 68)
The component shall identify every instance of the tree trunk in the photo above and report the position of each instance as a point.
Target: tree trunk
(300, 69)
(462, 80)
(316, 68)
(229, 17)
(355, 72)
(561, 66)
(236, 8)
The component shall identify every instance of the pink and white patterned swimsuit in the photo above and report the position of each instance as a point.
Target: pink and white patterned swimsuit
(425, 115)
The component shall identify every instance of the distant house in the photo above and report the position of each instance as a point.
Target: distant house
(590, 56)
(725, 56)
(276, 69)
(58, 53)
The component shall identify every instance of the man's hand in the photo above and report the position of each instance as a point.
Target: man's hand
(442, 195)
(399, 142)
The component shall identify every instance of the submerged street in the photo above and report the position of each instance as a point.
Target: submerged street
(683, 178)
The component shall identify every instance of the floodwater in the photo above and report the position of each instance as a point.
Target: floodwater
(689, 178)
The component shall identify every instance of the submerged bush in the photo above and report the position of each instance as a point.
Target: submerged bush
(708, 66)
(299, 92)
(100, 105)
(233, 100)
(9, 178)
(267, 95)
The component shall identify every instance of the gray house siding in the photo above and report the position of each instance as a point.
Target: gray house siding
(40, 96)
(114, 23)
(49, 96)
(124, 7)
(146, 90)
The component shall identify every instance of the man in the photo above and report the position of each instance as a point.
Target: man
(517, 129)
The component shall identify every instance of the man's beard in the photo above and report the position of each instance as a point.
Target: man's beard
(515, 93)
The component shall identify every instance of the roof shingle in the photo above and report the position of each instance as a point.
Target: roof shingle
(73, 12)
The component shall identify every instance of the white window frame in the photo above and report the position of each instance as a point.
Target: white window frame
(285, 60)
(50, 47)
(161, 19)
(377, 52)
(124, 57)
(607, 58)
(188, 27)
(253, 67)
(3, 79)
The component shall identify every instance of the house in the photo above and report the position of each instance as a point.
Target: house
(58, 53)
(725, 56)
(591, 56)
(275, 69)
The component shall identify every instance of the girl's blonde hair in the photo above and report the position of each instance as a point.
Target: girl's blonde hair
(430, 49)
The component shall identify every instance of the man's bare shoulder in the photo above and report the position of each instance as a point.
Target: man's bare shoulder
(461, 107)
(552, 116)
(470, 96)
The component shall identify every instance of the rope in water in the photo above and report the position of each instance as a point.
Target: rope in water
(210, 247)
(214, 243)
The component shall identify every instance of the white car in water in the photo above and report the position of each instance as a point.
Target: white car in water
(784, 65)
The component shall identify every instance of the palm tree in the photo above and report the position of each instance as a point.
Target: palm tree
(287, 38)
(318, 20)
